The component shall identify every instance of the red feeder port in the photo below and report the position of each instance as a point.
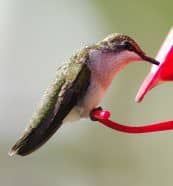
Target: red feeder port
(161, 73)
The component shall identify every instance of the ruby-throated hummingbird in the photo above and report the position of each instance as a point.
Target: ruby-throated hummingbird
(78, 88)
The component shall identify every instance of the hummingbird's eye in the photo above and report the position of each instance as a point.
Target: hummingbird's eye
(128, 46)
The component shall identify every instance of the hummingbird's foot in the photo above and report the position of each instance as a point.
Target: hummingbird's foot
(92, 111)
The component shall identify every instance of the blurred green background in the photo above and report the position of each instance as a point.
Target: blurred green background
(38, 36)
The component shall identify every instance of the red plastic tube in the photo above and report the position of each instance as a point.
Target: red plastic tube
(103, 118)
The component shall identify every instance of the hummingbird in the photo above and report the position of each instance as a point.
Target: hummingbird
(78, 88)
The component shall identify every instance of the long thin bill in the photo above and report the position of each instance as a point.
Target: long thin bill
(151, 60)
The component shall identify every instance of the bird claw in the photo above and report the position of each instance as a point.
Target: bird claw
(92, 113)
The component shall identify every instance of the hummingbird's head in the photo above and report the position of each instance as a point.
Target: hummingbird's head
(126, 46)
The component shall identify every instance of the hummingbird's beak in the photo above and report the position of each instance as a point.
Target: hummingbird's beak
(150, 60)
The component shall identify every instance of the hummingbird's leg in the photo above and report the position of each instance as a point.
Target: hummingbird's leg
(94, 110)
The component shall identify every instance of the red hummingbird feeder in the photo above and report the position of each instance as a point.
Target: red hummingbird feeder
(157, 75)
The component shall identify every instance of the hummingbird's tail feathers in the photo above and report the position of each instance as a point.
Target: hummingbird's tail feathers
(33, 139)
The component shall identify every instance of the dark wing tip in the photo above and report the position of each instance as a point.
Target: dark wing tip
(34, 139)
(15, 151)
(12, 152)
(19, 149)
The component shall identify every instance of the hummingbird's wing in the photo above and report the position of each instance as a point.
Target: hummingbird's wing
(71, 82)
